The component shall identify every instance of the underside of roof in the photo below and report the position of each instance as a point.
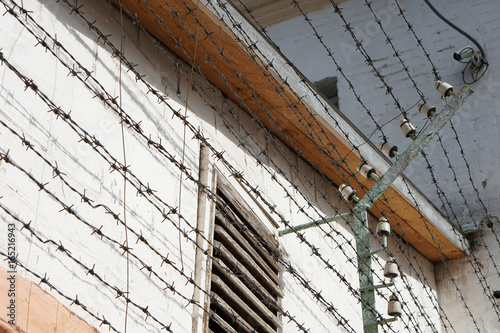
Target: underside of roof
(271, 12)
(254, 75)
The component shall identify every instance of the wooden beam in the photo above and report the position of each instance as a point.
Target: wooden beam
(257, 93)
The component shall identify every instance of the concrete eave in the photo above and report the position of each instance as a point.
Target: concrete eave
(427, 230)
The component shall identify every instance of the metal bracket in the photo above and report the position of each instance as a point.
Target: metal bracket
(471, 228)
(360, 216)
(378, 286)
(380, 249)
(415, 148)
(314, 223)
(384, 321)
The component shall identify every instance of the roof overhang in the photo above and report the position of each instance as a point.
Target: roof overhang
(426, 229)
(271, 12)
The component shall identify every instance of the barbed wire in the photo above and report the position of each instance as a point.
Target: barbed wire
(131, 123)
(139, 75)
(114, 166)
(142, 265)
(462, 298)
(88, 270)
(435, 71)
(45, 280)
(440, 192)
(469, 209)
(359, 46)
(141, 189)
(425, 282)
(456, 136)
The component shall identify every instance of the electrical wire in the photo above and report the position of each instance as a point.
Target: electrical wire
(483, 61)
(451, 24)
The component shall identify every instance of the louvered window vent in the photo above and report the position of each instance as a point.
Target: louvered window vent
(245, 284)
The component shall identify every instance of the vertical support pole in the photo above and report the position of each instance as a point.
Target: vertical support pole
(365, 270)
(202, 217)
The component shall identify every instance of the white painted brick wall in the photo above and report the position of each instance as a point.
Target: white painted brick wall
(83, 168)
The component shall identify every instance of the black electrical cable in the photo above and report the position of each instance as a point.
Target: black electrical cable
(456, 28)
(484, 63)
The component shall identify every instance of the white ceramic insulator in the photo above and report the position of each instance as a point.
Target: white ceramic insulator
(426, 110)
(391, 270)
(444, 88)
(387, 148)
(406, 127)
(394, 308)
(366, 170)
(383, 227)
(347, 192)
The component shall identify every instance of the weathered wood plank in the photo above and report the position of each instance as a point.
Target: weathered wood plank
(236, 226)
(239, 321)
(247, 212)
(242, 290)
(266, 288)
(217, 281)
(251, 262)
(222, 323)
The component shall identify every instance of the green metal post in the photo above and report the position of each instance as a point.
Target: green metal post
(365, 270)
(382, 248)
(370, 320)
